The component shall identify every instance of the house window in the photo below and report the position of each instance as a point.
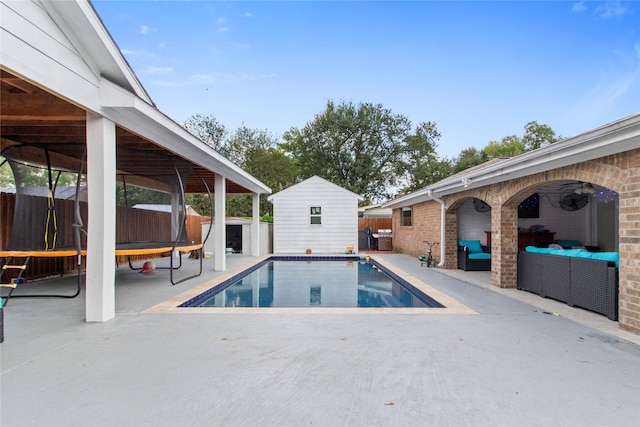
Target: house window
(407, 216)
(315, 215)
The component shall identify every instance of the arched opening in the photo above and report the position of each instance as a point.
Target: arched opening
(474, 234)
(570, 213)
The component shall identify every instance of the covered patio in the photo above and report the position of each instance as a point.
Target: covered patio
(64, 85)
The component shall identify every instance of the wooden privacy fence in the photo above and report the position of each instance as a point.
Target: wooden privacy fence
(131, 225)
(375, 223)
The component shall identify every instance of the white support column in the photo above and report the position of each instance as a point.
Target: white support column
(101, 231)
(220, 235)
(255, 226)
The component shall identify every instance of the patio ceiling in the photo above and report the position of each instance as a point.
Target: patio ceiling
(31, 115)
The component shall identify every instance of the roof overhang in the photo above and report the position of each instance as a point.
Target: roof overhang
(137, 116)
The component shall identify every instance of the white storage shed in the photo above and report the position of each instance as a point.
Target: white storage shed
(238, 237)
(315, 214)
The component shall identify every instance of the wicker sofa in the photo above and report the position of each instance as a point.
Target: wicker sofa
(572, 276)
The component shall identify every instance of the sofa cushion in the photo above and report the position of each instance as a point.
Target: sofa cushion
(606, 256)
(569, 243)
(570, 252)
(473, 245)
(539, 250)
(479, 255)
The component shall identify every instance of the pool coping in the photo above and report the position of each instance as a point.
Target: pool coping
(451, 305)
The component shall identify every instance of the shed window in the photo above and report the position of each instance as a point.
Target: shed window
(315, 215)
(407, 216)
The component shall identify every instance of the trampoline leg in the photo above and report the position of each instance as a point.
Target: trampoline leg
(5, 299)
(175, 282)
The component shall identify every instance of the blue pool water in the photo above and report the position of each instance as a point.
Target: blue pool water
(314, 282)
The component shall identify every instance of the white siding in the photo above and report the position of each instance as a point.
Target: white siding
(34, 46)
(292, 231)
(266, 237)
(472, 224)
(567, 225)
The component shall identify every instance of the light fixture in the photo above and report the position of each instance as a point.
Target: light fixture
(585, 188)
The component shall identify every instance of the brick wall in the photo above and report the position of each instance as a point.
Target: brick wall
(620, 173)
(426, 227)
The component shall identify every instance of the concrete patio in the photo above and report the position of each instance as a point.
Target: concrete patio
(517, 360)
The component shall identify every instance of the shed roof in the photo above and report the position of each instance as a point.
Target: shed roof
(313, 180)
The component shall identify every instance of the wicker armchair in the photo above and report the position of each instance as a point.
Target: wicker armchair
(472, 256)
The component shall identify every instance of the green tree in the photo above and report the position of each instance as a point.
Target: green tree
(420, 162)
(469, 158)
(538, 136)
(253, 150)
(209, 130)
(35, 176)
(535, 136)
(358, 147)
(510, 146)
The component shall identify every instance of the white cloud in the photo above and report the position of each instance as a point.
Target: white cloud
(219, 77)
(144, 29)
(610, 9)
(202, 79)
(220, 20)
(248, 15)
(617, 84)
(158, 70)
(127, 51)
(578, 7)
(166, 83)
(222, 30)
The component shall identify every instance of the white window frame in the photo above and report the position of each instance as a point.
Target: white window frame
(313, 215)
(410, 217)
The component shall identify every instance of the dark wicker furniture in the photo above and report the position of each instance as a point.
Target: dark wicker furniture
(467, 264)
(580, 282)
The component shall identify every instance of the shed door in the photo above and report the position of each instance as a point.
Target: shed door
(234, 238)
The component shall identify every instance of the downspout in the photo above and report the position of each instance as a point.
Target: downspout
(443, 210)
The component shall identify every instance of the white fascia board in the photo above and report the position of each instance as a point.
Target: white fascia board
(419, 196)
(136, 115)
(84, 28)
(614, 138)
(27, 63)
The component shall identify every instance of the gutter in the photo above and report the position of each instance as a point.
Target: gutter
(443, 210)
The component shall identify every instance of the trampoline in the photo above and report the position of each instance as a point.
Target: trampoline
(50, 210)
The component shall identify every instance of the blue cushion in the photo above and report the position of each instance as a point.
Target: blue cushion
(479, 256)
(569, 252)
(570, 243)
(539, 250)
(606, 256)
(473, 245)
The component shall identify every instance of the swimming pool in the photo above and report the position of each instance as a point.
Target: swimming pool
(308, 282)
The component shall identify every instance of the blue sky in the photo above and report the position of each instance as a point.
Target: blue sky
(480, 70)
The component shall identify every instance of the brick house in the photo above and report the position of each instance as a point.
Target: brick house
(605, 160)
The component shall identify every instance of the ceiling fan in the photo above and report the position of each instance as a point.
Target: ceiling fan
(573, 201)
(480, 205)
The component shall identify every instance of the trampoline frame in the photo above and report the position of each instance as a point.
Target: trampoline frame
(158, 247)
